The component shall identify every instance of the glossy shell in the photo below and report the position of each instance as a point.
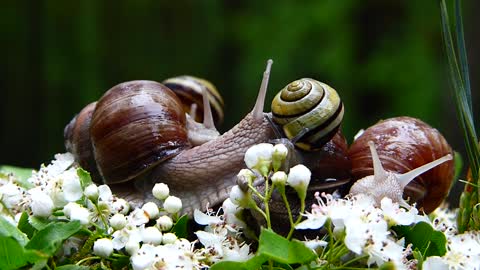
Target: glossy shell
(189, 90)
(78, 142)
(136, 125)
(310, 112)
(403, 144)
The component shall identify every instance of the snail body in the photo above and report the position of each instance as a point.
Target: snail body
(389, 168)
(200, 173)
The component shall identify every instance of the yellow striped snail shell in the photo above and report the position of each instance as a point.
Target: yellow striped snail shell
(309, 112)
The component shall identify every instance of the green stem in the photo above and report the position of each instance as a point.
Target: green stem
(255, 191)
(289, 210)
(266, 200)
(87, 259)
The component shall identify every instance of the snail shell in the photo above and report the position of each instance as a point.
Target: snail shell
(189, 90)
(403, 144)
(310, 112)
(136, 125)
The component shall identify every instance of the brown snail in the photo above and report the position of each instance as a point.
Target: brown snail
(397, 150)
(200, 173)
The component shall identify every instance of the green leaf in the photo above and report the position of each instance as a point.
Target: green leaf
(21, 174)
(85, 179)
(181, 227)
(25, 226)
(72, 267)
(282, 250)
(14, 256)
(38, 223)
(423, 238)
(9, 230)
(121, 262)
(51, 237)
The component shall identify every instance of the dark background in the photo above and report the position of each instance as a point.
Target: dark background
(385, 58)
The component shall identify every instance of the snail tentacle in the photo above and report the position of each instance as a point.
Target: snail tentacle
(406, 178)
(207, 111)
(257, 111)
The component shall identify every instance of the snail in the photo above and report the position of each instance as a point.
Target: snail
(411, 156)
(129, 159)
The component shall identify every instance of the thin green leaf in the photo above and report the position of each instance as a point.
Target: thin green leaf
(25, 226)
(282, 250)
(85, 179)
(51, 237)
(462, 51)
(9, 230)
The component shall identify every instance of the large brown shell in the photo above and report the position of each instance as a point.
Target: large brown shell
(135, 126)
(78, 142)
(403, 144)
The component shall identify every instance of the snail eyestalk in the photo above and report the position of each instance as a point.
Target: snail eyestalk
(259, 104)
(404, 179)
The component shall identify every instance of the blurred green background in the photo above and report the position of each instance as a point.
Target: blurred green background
(385, 58)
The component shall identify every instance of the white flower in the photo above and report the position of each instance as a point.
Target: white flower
(259, 157)
(436, 263)
(299, 178)
(204, 219)
(169, 238)
(165, 223)
(42, 204)
(72, 189)
(118, 221)
(74, 211)
(11, 194)
(160, 191)
(144, 257)
(121, 206)
(279, 178)
(138, 217)
(231, 213)
(105, 193)
(395, 215)
(103, 247)
(239, 197)
(151, 209)
(172, 204)
(91, 192)
(132, 247)
(152, 235)
(280, 152)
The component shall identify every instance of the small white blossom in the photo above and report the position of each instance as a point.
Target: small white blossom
(71, 187)
(259, 157)
(280, 152)
(172, 204)
(103, 247)
(105, 193)
(164, 223)
(396, 215)
(152, 235)
(118, 221)
(144, 258)
(151, 209)
(298, 179)
(160, 191)
(138, 217)
(132, 247)
(121, 206)
(74, 211)
(11, 194)
(42, 204)
(279, 178)
(231, 212)
(169, 238)
(239, 197)
(91, 192)
(204, 219)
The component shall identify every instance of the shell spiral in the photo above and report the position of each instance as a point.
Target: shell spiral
(310, 112)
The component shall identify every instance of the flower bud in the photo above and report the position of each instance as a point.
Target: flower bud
(240, 197)
(280, 152)
(103, 247)
(160, 191)
(91, 192)
(121, 206)
(74, 211)
(151, 209)
(172, 204)
(118, 221)
(42, 204)
(279, 178)
(299, 178)
(244, 178)
(259, 157)
(152, 235)
(164, 223)
(169, 238)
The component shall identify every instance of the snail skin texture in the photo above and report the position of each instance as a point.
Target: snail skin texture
(404, 146)
(199, 171)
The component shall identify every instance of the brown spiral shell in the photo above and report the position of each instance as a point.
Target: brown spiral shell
(403, 144)
(136, 125)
